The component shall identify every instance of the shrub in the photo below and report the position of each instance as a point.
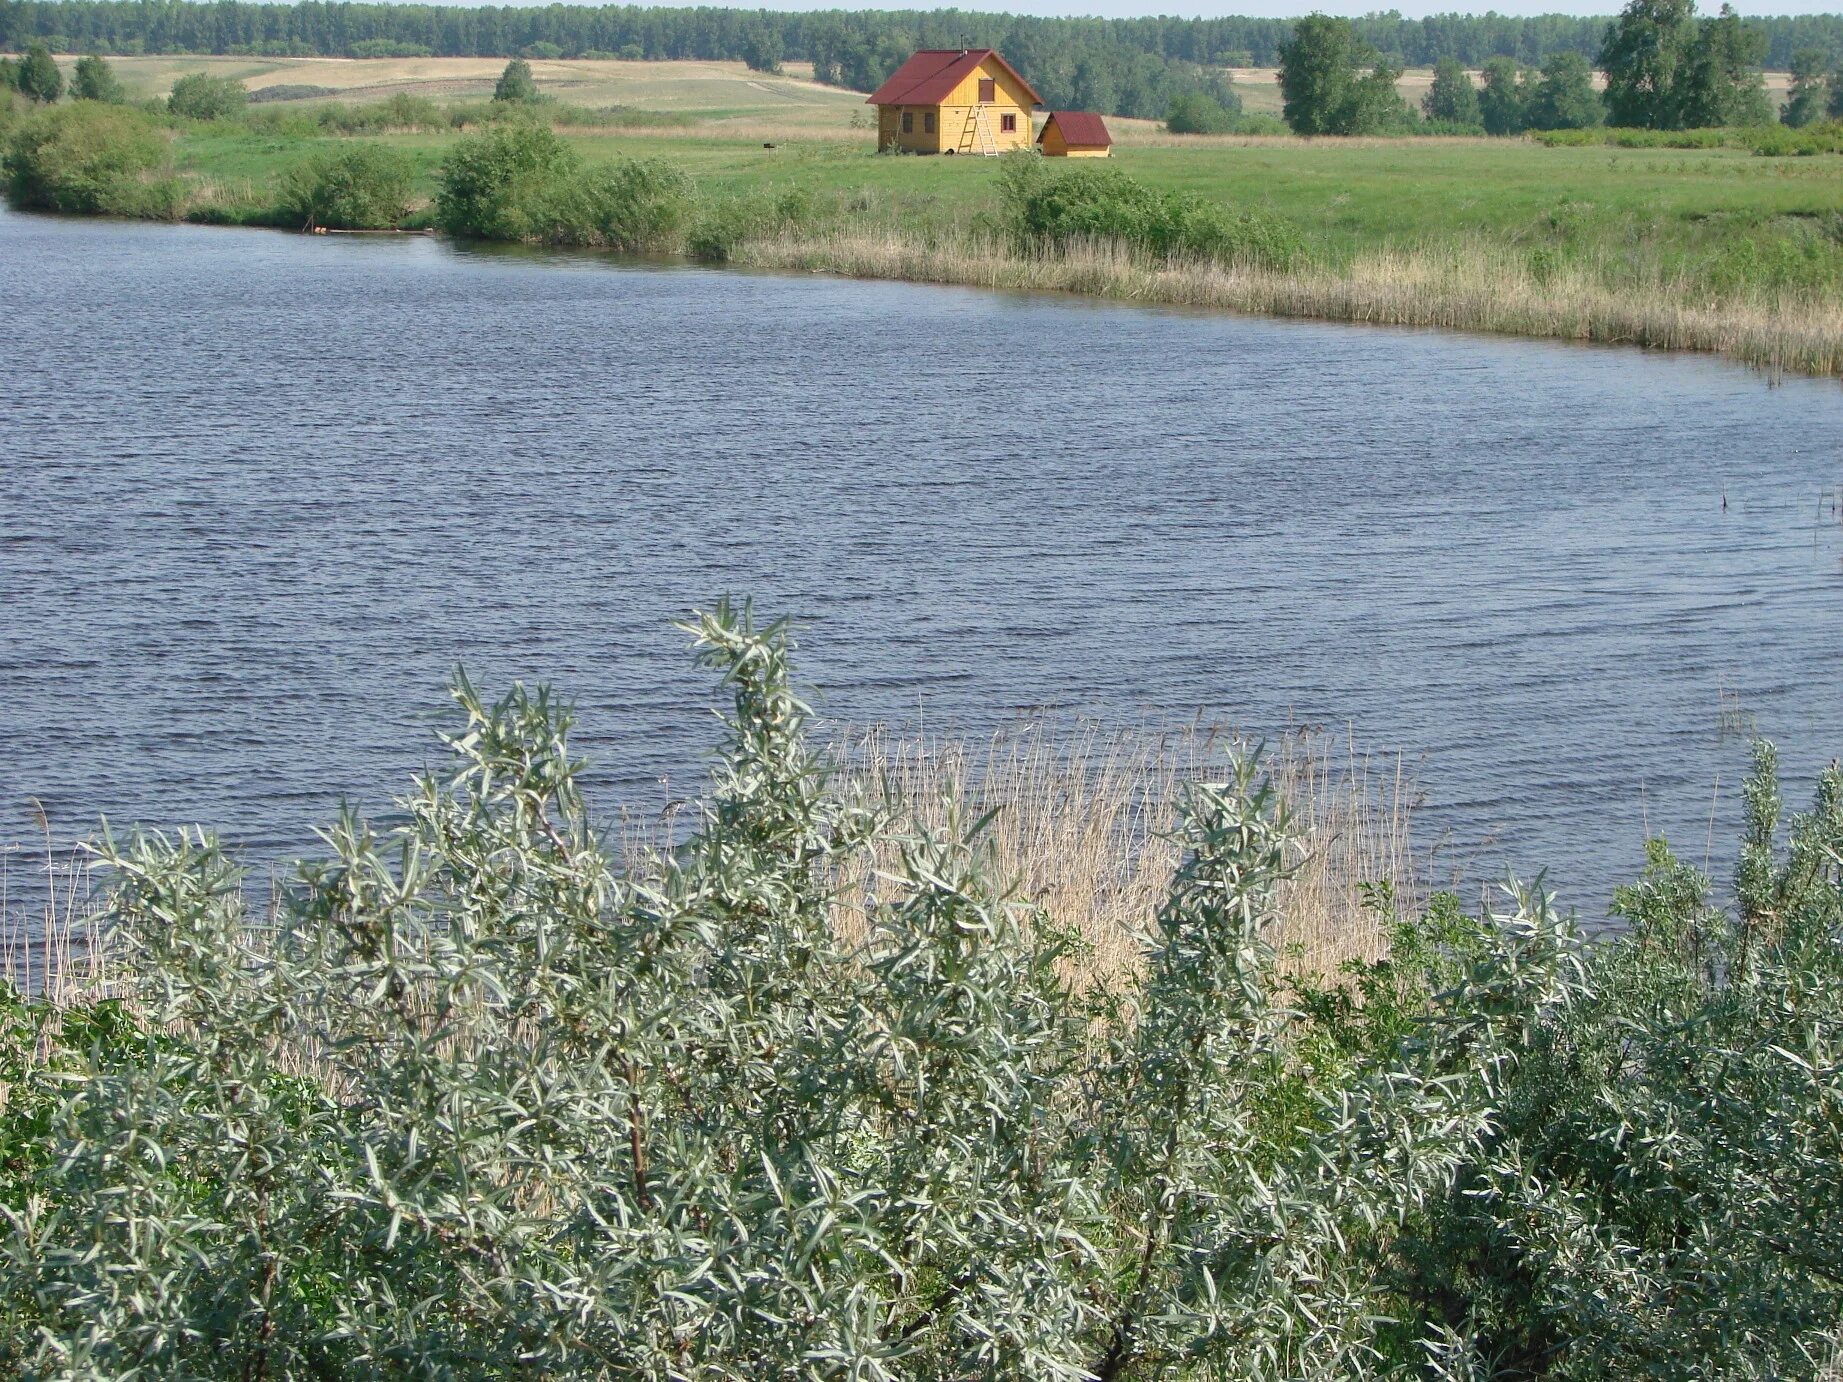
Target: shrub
(388, 48)
(634, 205)
(515, 84)
(361, 187)
(1195, 113)
(37, 77)
(721, 226)
(475, 1101)
(493, 184)
(201, 96)
(94, 159)
(1098, 205)
(94, 80)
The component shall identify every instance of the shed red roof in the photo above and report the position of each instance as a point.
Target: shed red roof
(930, 76)
(1081, 128)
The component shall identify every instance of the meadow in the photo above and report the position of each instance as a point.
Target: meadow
(1713, 247)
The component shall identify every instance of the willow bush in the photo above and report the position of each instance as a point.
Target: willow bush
(473, 1101)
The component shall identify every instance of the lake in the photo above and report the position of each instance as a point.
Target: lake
(260, 492)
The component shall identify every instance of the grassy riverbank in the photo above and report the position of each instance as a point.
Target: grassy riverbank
(1707, 248)
(839, 1082)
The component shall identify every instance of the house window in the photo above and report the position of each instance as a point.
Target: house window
(908, 122)
(1008, 123)
(928, 123)
(988, 90)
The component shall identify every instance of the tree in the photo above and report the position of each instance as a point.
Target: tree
(1503, 104)
(1331, 83)
(1722, 83)
(761, 49)
(516, 83)
(9, 75)
(95, 80)
(199, 96)
(1834, 106)
(39, 78)
(1565, 99)
(1645, 52)
(1451, 98)
(1195, 113)
(1806, 105)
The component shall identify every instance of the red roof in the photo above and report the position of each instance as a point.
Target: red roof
(930, 76)
(1080, 128)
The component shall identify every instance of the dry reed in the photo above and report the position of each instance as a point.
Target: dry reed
(1467, 286)
(1082, 820)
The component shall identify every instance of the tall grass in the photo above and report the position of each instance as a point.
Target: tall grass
(1464, 286)
(1083, 821)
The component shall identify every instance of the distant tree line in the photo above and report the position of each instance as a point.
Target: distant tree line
(1121, 66)
(1666, 69)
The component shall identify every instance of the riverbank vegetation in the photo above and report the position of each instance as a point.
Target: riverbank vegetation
(1727, 240)
(817, 1086)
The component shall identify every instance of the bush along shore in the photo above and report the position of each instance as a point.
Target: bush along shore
(817, 1091)
(1765, 289)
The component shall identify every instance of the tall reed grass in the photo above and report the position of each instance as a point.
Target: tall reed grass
(1081, 822)
(1465, 286)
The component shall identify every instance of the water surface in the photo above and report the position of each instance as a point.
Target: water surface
(260, 492)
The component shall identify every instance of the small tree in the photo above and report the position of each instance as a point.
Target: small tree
(1503, 104)
(1331, 83)
(200, 96)
(1806, 105)
(39, 78)
(1451, 98)
(761, 49)
(516, 83)
(1195, 113)
(1565, 99)
(95, 80)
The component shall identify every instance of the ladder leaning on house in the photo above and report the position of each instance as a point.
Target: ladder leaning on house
(977, 136)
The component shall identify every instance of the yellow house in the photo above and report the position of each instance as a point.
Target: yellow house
(1075, 134)
(954, 101)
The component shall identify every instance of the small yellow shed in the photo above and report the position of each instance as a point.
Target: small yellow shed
(954, 101)
(1075, 134)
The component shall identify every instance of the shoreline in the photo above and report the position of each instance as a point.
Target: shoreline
(1459, 288)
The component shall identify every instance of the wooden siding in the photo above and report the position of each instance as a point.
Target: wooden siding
(955, 127)
(1055, 146)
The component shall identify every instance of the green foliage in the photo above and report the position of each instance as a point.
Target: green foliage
(1451, 97)
(1503, 104)
(631, 204)
(1331, 83)
(359, 187)
(92, 159)
(1195, 113)
(1565, 98)
(1807, 95)
(724, 224)
(475, 1102)
(94, 80)
(1665, 69)
(37, 77)
(515, 84)
(493, 184)
(1089, 205)
(201, 96)
(761, 49)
